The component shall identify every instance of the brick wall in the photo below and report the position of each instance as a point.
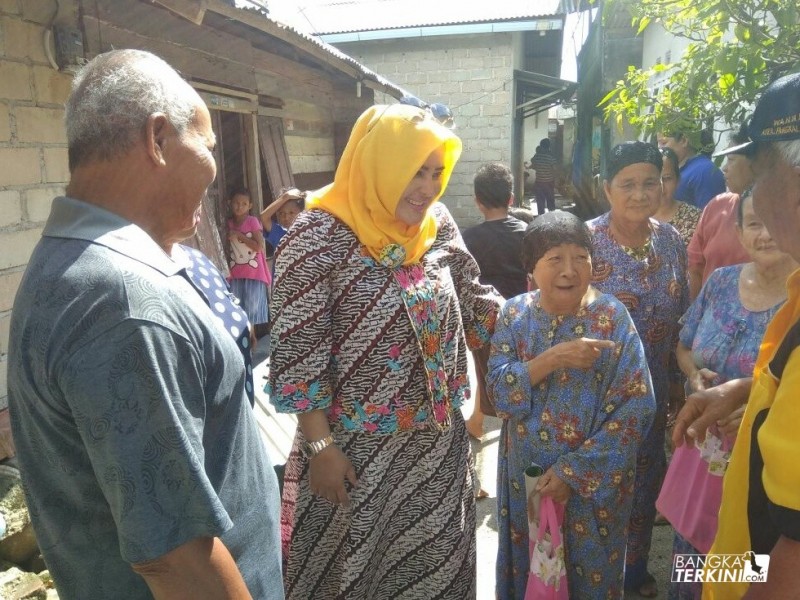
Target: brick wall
(33, 149)
(471, 74)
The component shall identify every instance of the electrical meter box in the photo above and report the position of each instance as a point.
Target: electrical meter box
(69, 48)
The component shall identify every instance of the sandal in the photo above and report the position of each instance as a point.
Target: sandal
(649, 588)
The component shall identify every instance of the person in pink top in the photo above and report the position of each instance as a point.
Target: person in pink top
(719, 342)
(715, 242)
(249, 278)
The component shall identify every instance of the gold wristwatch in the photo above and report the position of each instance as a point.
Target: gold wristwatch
(311, 449)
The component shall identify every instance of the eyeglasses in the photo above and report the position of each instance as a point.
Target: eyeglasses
(440, 112)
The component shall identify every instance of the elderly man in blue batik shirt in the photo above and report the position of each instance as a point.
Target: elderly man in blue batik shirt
(143, 467)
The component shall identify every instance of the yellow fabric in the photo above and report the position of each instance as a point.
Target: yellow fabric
(387, 147)
(777, 439)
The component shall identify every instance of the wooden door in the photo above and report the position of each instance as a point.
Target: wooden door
(274, 154)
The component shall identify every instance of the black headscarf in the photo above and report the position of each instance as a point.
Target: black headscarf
(550, 230)
(631, 153)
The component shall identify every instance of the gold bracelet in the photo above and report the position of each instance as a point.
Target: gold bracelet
(311, 449)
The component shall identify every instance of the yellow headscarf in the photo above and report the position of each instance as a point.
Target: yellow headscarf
(387, 146)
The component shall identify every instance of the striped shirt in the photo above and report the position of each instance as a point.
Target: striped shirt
(545, 166)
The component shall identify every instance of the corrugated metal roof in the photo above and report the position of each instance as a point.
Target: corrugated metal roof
(304, 41)
(340, 16)
(391, 87)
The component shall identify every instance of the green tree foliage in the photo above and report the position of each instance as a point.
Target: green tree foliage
(736, 48)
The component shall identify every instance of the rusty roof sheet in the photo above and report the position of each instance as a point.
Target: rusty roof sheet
(303, 40)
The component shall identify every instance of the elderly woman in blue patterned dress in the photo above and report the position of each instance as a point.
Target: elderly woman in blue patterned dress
(374, 293)
(569, 378)
(643, 263)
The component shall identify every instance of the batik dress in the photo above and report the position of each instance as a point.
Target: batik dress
(655, 292)
(723, 334)
(381, 347)
(586, 424)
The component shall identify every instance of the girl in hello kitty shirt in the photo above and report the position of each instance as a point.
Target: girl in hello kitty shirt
(249, 276)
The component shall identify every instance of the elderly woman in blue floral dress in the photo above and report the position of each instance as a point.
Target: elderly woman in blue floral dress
(569, 378)
(643, 263)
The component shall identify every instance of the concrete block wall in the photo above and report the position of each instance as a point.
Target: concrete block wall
(310, 154)
(33, 148)
(308, 133)
(473, 75)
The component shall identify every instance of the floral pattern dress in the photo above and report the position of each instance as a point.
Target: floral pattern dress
(655, 292)
(586, 424)
(724, 335)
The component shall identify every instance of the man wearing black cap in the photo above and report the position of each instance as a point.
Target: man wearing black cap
(760, 510)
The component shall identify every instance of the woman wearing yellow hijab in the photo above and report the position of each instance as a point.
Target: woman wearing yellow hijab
(375, 299)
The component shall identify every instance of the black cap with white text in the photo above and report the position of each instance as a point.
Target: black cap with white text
(776, 117)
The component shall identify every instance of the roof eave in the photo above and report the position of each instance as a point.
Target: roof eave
(317, 49)
(552, 22)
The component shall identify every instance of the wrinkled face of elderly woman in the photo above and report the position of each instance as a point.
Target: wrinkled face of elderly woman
(634, 192)
(755, 237)
(420, 193)
(563, 276)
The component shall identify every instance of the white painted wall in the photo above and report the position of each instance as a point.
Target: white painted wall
(661, 46)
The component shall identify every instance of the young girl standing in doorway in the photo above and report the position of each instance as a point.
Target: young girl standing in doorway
(249, 276)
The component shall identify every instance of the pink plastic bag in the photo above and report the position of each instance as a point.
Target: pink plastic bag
(692, 490)
(547, 578)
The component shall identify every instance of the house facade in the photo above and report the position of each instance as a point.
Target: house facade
(496, 66)
(282, 106)
(612, 45)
